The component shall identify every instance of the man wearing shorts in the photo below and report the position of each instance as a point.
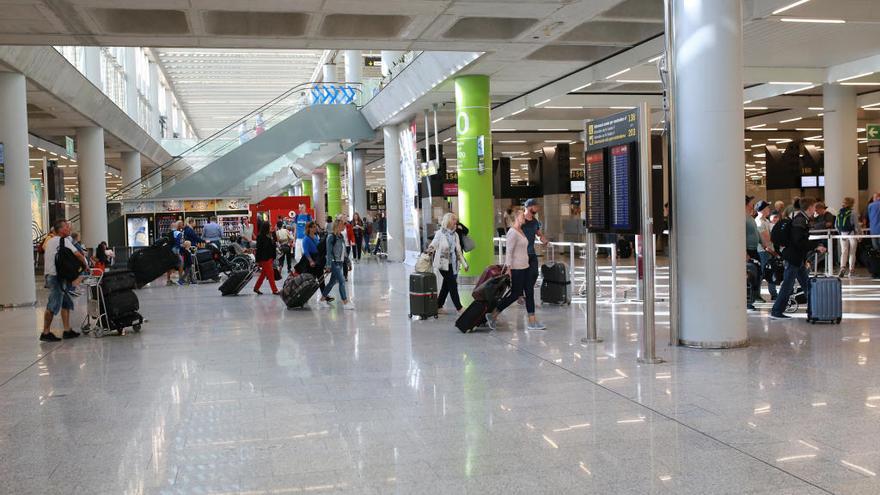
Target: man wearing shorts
(59, 290)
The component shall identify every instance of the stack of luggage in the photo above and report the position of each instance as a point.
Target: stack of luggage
(148, 264)
(119, 303)
(491, 287)
(206, 267)
(556, 287)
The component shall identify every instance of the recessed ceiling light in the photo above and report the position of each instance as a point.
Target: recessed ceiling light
(518, 112)
(565, 108)
(552, 130)
(499, 119)
(503, 130)
(860, 84)
(795, 83)
(755, 108)
(789, 6)
(807, 129)
(638, 81)
(557, 141)
(798, 90)
(515, 141)
(816, 21)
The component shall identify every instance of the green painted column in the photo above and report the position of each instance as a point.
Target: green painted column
(475, 199)
(334, 190)
(307, 187)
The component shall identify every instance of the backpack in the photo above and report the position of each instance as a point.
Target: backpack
(844, 223)
(780, 235)
(67, 265)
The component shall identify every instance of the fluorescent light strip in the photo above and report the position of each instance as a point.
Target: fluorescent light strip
(575, 90)
(793, 83)
(791, 120)
(565, 108)
(755, 108)
(800, 89)
(515, 141)
(638, 81)
(621, 108)
(757, 126)
(518, 112)
(789, 7)
(503, 130)
(542, 102)
(860, 84)
(658, 57)
(816, 109)
(552, 130)
(808, 129)
(765, 129)
(850, 78)
(624, 71)
(816, 21)
(499, 119)
(557, 141)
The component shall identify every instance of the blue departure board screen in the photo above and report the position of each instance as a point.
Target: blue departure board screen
(597, 217)
(621, 188)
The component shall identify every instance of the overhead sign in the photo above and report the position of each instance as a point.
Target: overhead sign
(620, 128)
(873, 132)
(69, 145)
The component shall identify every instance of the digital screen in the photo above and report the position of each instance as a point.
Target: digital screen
(138, 231)
(578, 186)
(621, 183)
(594, 170)
(821, 181)
(809, 181)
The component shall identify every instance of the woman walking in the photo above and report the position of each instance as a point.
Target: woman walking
(335, 261)
(357, 225)
(448, 257)
(516, 262)
(265, 257)
(312, 262)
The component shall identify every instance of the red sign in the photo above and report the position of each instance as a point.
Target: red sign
(450, 189)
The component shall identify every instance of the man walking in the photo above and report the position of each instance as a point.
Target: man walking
(59, 295)
(795, 249)
(302, 219)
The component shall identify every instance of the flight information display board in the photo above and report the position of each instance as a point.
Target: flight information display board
(594, 170)
(612, 174)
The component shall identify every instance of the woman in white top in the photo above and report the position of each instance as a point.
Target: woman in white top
(448, 257)
(516, 262)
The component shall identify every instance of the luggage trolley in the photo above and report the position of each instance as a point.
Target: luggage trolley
(97, 320)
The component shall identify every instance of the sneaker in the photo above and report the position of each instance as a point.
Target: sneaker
(70, 334)
(751, 307)
(348, 307)
(536, 326)
(760, 300)
(842, 273)
(490, 322)
(441, 311)
(779, 316)
(49, 337)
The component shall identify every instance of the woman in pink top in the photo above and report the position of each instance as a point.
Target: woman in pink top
(516, 262)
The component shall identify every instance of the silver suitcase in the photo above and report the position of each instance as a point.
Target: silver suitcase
(826, 300)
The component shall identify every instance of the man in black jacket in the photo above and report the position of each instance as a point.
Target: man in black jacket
(795, 254)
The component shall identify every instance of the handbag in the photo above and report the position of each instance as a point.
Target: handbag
(467, 244)
(276, 273)
(425, 263)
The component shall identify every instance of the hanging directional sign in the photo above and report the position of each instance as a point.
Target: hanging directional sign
(873, 132)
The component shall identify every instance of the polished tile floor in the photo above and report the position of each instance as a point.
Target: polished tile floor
(239, 395)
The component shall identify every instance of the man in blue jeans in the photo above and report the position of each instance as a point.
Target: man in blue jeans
(795, 252)
(59, 290)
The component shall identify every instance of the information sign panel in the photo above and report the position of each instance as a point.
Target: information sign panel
(620, 128)
(597, 219)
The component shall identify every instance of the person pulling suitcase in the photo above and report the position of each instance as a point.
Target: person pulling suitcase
(516, 263)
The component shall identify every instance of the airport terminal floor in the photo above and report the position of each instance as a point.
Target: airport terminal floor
(239, 395)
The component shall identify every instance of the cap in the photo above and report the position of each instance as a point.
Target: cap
(761, 205)
(531, 202)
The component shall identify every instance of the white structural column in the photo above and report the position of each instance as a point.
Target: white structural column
(92, 185)
(154, 128)
(841, 121)
(329, 73)
(16, 277)
(357, 191)
(131, 171)
(131, 82)
(393, 194)
(709, 170)
(92, 64)
(170, 124)
(388, 58)
(319, 187)
(354, 66)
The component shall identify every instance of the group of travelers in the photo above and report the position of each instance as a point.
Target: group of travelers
(776, 231)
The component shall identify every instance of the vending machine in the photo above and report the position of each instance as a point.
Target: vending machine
(138, 231)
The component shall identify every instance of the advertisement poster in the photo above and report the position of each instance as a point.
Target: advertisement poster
(409, 167)
(172, 205)
(138, 229)
(199, 205)
(37, 208)
(129, 207)
(232, 204)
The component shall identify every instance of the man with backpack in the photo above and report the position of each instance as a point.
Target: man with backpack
(792, 237)
(63, 264)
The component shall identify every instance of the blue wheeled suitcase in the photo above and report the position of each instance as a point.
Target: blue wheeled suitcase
(826, 300)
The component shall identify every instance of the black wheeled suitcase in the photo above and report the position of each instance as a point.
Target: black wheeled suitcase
(825, 303)
(208, 271)
(298, 289)
(472, 317)
(423, 295)
(150, 263)
(556, 286)
(204, 256)
(117, 281)
(121, 310)
(235, 282)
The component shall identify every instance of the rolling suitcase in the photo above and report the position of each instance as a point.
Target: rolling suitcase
(235, 282)
(150, 263)
(556, 287)
(472, 317)
(298, 289)
(825, 302)
(491, 271)
(208, 271)
(204, 256)
(490, 291)
(423, 295)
